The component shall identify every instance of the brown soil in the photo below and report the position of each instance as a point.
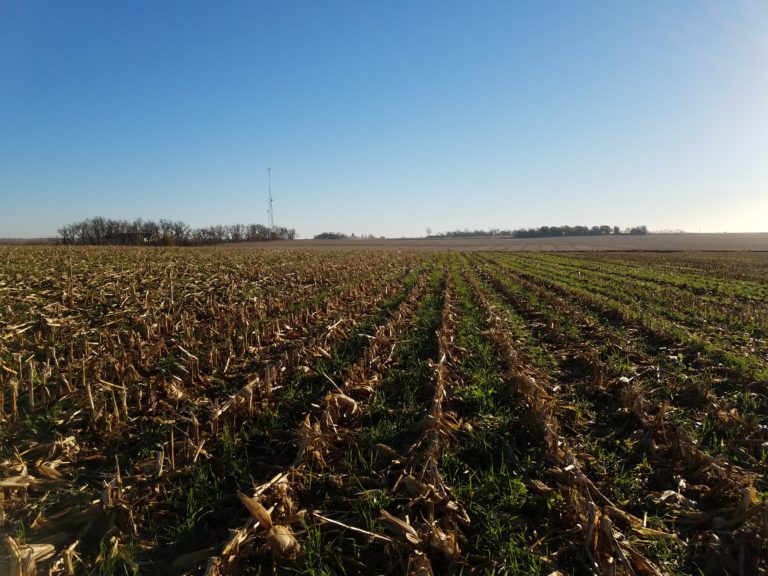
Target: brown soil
(650, 242)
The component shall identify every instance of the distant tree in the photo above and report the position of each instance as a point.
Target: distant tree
(98, 228)
(150, 232)
(331, 236)
(67, 234)
(236, 233)
(181, 233)
(166, 233)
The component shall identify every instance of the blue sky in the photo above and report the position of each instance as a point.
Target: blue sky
(385, 117)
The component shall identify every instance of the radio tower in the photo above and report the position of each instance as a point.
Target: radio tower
(270, 211)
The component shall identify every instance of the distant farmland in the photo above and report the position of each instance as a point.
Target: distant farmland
(624, 242)
(220, 411)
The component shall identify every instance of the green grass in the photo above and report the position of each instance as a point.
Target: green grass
(400, 399)
(488, 467)
(395, 404)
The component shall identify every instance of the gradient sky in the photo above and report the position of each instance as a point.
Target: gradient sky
(385, 117)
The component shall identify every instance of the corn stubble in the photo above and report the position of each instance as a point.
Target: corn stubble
(216, 412)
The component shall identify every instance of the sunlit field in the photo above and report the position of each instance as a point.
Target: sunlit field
(222, 411)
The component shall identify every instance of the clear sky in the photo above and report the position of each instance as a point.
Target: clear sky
(385, 117)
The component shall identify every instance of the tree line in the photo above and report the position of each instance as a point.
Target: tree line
(545, 232)
(342, 236)
(100, 231)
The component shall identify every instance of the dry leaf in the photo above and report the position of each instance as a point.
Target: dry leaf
(259, 513)
(282, 542)
(399, 528)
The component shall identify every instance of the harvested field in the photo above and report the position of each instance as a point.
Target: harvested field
(738, 242)
(240, 411)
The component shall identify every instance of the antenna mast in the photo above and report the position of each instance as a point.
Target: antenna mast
(270, 211)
